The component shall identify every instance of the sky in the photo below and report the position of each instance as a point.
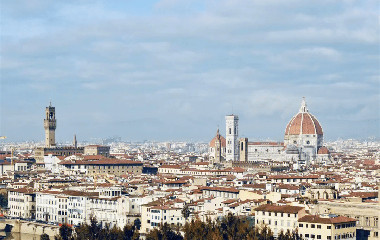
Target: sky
(171, 70)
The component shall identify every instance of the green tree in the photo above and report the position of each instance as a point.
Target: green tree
(4, 200)
(163, 233)
(137, 223)
(185, 211)
(131, 232)
(94, 228)
(281, 236)
(82, 232)
(266, 233)
(65, 232)
(44, 237)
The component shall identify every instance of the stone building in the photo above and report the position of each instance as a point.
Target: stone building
(217, 148)
(22, 203)
(232, 138)
(50, 124)
(303, 143)
(327, 227)
(305, 133)
(366, 215)
(104, 166)
(97, 150)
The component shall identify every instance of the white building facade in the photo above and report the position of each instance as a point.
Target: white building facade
(232, 138)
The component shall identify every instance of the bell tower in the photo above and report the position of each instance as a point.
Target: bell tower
(50, 124)
(232, 134)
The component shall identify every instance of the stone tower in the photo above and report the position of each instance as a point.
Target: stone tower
(243, 149)
(75, 143)
(232, 134)
(50, 124)
(218, 148)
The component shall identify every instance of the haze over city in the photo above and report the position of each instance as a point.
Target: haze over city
(171, 70)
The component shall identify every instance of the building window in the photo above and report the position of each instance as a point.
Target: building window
(319, 226)
(319, 237)
(312, 225)
(328, 227)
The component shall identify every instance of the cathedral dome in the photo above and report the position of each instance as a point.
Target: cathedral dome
(323, 150)
(221, 139)
(303, 123)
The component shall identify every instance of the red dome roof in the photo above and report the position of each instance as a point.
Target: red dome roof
(323, 150)
(221, 139)
(303, 123)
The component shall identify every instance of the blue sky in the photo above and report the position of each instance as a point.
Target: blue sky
(172, 69)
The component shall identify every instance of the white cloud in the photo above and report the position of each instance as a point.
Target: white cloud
(194, 59)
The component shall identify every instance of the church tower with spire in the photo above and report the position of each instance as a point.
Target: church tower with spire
(50, 124)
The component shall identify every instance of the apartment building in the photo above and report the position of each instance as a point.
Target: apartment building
(220, 192)
(279, 218)
(105, 166)
(22, 203)
(155, 215)
(327, 226)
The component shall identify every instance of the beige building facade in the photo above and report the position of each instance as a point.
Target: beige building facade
(366, 214)
(279, 218)
(327, 227)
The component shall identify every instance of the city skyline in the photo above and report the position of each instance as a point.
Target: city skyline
(166, 70)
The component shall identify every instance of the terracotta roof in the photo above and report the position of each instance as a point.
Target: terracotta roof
(171, 166)
(327, 220)
(362, 194)
(105, 161)
(303, 123)
(220, 137)
(221, 189)
(93, 157)
(23, 190)
(323, 150)
(280, 209)
(255, 186)
(288, 186)
(267, 143)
